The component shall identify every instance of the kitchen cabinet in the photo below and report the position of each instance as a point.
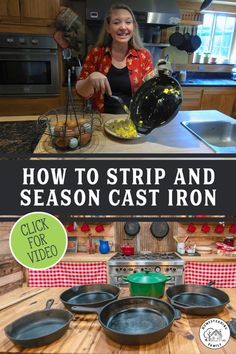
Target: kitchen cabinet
(221, 99)
(29, 12)
(9, 11)
(191, 98)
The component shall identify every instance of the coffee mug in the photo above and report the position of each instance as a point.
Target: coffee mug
(181, 247)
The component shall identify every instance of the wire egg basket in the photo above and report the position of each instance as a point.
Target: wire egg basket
(70, 127)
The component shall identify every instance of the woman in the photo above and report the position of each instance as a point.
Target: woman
(117, 64)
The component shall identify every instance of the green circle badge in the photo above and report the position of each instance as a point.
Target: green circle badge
(38, 240)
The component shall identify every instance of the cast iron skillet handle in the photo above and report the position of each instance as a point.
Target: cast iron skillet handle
(49, 304)
(211, 282)
(83, 309)
(177, 314)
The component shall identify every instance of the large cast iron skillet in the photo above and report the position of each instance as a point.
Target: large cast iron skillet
(93, 295)
(155, 103)
(135, 320)
(199, 300)
(40, 327)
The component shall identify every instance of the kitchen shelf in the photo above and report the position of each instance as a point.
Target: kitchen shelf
(161, 45)
(190, 23)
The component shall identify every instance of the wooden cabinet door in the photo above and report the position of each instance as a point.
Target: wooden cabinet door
(41, 12)
(191, 98)
(220, 99)
(9, 11)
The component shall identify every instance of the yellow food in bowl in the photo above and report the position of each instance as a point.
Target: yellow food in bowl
(124, 128)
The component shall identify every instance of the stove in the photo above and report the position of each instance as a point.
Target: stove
(168, 263)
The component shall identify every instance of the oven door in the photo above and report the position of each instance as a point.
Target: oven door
(31, 72)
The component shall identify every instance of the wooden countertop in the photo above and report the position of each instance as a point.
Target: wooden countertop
(171, 138)
(97, 257)
(213, 257)
(86, 257)
(85, 335)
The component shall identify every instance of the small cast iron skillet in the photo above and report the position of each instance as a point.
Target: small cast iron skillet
(40, 327)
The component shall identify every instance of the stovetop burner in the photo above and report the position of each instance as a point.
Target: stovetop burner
(146, 258)
(152, 256)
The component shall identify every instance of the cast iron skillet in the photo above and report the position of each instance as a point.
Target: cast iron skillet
(94, 295)
(155, 103)
(205, 4)
(159, 229)
(135, 320)
(176, 38)
(199, 300)
(40, 327)
(132, 228)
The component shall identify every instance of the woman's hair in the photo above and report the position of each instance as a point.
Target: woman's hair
(105, 38)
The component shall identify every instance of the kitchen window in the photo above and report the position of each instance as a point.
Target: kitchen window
(217, 34)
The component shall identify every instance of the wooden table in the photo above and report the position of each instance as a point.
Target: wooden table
(85, 335)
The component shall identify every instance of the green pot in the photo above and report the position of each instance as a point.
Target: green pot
(147, 284)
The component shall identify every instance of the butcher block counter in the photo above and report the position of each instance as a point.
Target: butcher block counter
(171, 138)
(85, 335)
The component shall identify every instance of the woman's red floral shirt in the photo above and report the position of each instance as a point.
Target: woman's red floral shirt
(139, 63)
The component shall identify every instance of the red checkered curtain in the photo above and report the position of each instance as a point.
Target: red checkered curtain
(223, 274)
(69, 274)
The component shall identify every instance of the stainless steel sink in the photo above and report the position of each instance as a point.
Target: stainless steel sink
(218, 135)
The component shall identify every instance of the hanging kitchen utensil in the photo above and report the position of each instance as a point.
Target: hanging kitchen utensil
(189, 44)
(40, 327)
(132, 228)
(94, 295)
(135, 320)
(181, 46)
(176, 38)
(201, 300)
(155, 103)
(195, 41)
(205, 4)
(159, 229)
(187, 41)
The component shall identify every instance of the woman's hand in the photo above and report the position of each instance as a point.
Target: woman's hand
(100, 83)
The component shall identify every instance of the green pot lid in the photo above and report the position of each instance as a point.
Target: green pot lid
(146, 278)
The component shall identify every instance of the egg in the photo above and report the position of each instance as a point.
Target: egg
(87, 127)
(84, 139)
(71, 124)
(70, 133)
(62, 143)
(51, 130)
(60, 123)
(73, 143)
(59, 129)
(81, 121)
